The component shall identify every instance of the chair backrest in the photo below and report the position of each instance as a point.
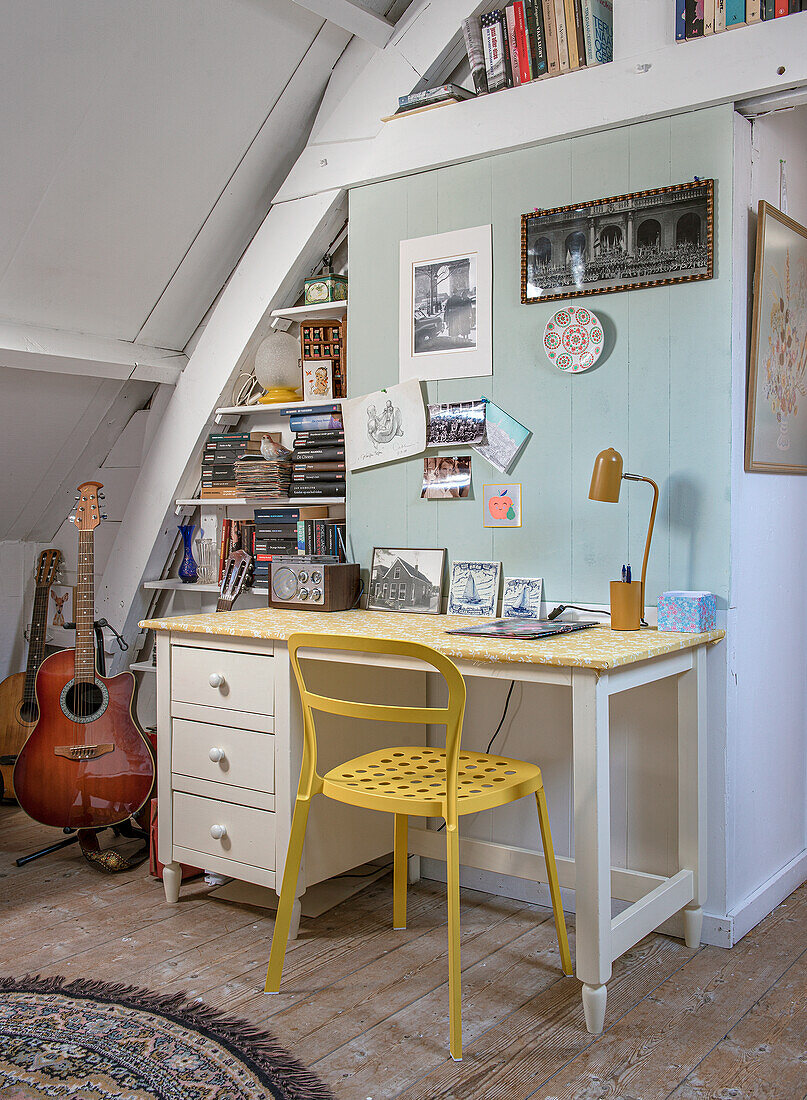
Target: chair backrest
(449, 716)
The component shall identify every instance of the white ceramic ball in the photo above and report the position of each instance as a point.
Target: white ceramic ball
(277, 361)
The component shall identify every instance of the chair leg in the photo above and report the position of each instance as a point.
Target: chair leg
(454, 999)
(399, 874)
(287, 895)
(554, 885)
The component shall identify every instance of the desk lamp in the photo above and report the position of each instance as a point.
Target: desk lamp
(627, 599)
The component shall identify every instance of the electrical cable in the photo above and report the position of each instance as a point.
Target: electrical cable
(553, 614)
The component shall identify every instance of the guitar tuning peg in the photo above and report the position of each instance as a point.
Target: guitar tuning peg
(72, 517)
(104, 515)
(102, 496)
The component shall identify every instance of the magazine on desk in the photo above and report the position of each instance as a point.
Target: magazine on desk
(523, 629)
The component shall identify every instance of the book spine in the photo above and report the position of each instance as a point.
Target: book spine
(551, 36)
(720, 15)
(492, 40)
(753, 12)
(735, 12)
(315, 423)
(319, 454)
(276, 531)
(535, 22)
(768, 11)
(228, 437)
(694, 18)
(708, 17)
(680, 21)
(512, 43)
(571, 34)
(318, 490)
(277, 515)
(309, 467)
(318, 475)
(425, 95)
(522, 40)
(508, 61)
(563, 41)
(472, 35)
(581, 38)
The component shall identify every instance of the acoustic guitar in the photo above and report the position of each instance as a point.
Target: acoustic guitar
(18, 709)
(235, 576)
(87, 764)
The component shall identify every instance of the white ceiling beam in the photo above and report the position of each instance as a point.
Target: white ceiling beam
(353, 17)
(25, 347)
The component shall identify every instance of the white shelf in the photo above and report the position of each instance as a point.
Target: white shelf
(143, 666)
(171, 583)
(325, 311)
(285, 406)
(292, 502)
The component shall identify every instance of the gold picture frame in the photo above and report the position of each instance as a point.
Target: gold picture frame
(657, 237)
(777, 364)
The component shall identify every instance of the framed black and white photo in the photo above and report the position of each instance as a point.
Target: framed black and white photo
(648, 238)
(445, 325)
(406, 580)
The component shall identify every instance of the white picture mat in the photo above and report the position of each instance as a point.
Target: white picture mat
(472, 362)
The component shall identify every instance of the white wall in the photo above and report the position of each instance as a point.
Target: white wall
(767, 701)
(17, 560)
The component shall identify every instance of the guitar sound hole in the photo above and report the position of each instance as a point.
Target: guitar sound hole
(83, 701)
(29, 712)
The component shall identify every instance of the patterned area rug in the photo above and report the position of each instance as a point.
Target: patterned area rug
(94, 1041)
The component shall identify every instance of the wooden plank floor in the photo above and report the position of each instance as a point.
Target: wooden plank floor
(366, 1007)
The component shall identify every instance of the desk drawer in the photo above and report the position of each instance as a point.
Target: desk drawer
(247, 758)
(222, 678)
(248, 837)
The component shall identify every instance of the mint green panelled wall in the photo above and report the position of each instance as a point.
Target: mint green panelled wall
(660, 393)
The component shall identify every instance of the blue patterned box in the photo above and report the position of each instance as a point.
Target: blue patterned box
(687, 612)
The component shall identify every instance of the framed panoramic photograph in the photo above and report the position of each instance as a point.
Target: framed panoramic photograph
(648, 238)
(406, 580)
(776, 422)
(445, 309)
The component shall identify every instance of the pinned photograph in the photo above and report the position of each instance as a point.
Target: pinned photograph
(522, 597)
(501, 505)
(445, 310)
(446, 478)
(384, 426)
(504, 439)
(317, 379)
(474, 588)
(460, 422)
(62, 602)
(406, 580)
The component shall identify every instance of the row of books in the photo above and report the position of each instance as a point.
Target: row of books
(284, 532)
(233, 465)
(530, 39)
(236, 534)
(696, 18)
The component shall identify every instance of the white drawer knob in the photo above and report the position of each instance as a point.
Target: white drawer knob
(216, 755)
(218, 832)
(215, 679)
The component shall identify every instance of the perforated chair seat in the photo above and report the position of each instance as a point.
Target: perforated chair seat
(412, 780)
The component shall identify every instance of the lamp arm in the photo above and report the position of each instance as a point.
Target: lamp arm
(638, 477)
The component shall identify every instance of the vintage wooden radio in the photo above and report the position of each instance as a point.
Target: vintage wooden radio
(314, 585)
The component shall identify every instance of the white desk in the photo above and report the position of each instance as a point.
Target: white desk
(594, 665)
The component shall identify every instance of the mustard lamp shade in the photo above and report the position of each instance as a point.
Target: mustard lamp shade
(606, 478)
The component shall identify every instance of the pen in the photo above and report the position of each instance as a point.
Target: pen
(624, 573)
(628, 575)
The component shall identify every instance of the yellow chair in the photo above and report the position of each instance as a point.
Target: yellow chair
(424, 782)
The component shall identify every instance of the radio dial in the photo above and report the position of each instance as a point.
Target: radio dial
(316, 577)
(316, 595)
(302, 594)
(284, 583)
(303, 576)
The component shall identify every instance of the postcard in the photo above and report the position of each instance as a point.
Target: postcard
(501, 505)
(504, 439)
(446, 478)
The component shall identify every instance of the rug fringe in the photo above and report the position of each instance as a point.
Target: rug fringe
(253, 1044)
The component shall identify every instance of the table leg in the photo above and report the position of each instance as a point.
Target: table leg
(172, 880)
(592, 841)
(692, 789)
(296, 913)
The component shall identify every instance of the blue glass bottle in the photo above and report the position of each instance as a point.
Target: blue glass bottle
(188, 573)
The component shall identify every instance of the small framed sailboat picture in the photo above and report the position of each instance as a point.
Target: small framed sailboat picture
(522, 597)
(474, 588)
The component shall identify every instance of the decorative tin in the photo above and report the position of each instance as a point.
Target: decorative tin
(325, 288)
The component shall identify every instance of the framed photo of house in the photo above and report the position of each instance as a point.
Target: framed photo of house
(627, 242)
(406, 580)
(445, 308)
(776, 421)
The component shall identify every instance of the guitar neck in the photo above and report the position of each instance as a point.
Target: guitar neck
(225, 603)
(85, 609)
(36, 642)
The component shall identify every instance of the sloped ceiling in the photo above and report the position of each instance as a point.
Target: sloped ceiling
(143, 141)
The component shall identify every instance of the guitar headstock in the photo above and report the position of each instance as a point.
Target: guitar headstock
(47, 568)
(88, 510)
(234, 578)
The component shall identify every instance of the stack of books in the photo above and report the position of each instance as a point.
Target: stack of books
(432, 97)
(697, 18)
(279, 532)
(222, 452)
(318, 458)
(530, 39)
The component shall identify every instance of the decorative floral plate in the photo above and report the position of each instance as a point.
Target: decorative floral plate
(573, 339)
